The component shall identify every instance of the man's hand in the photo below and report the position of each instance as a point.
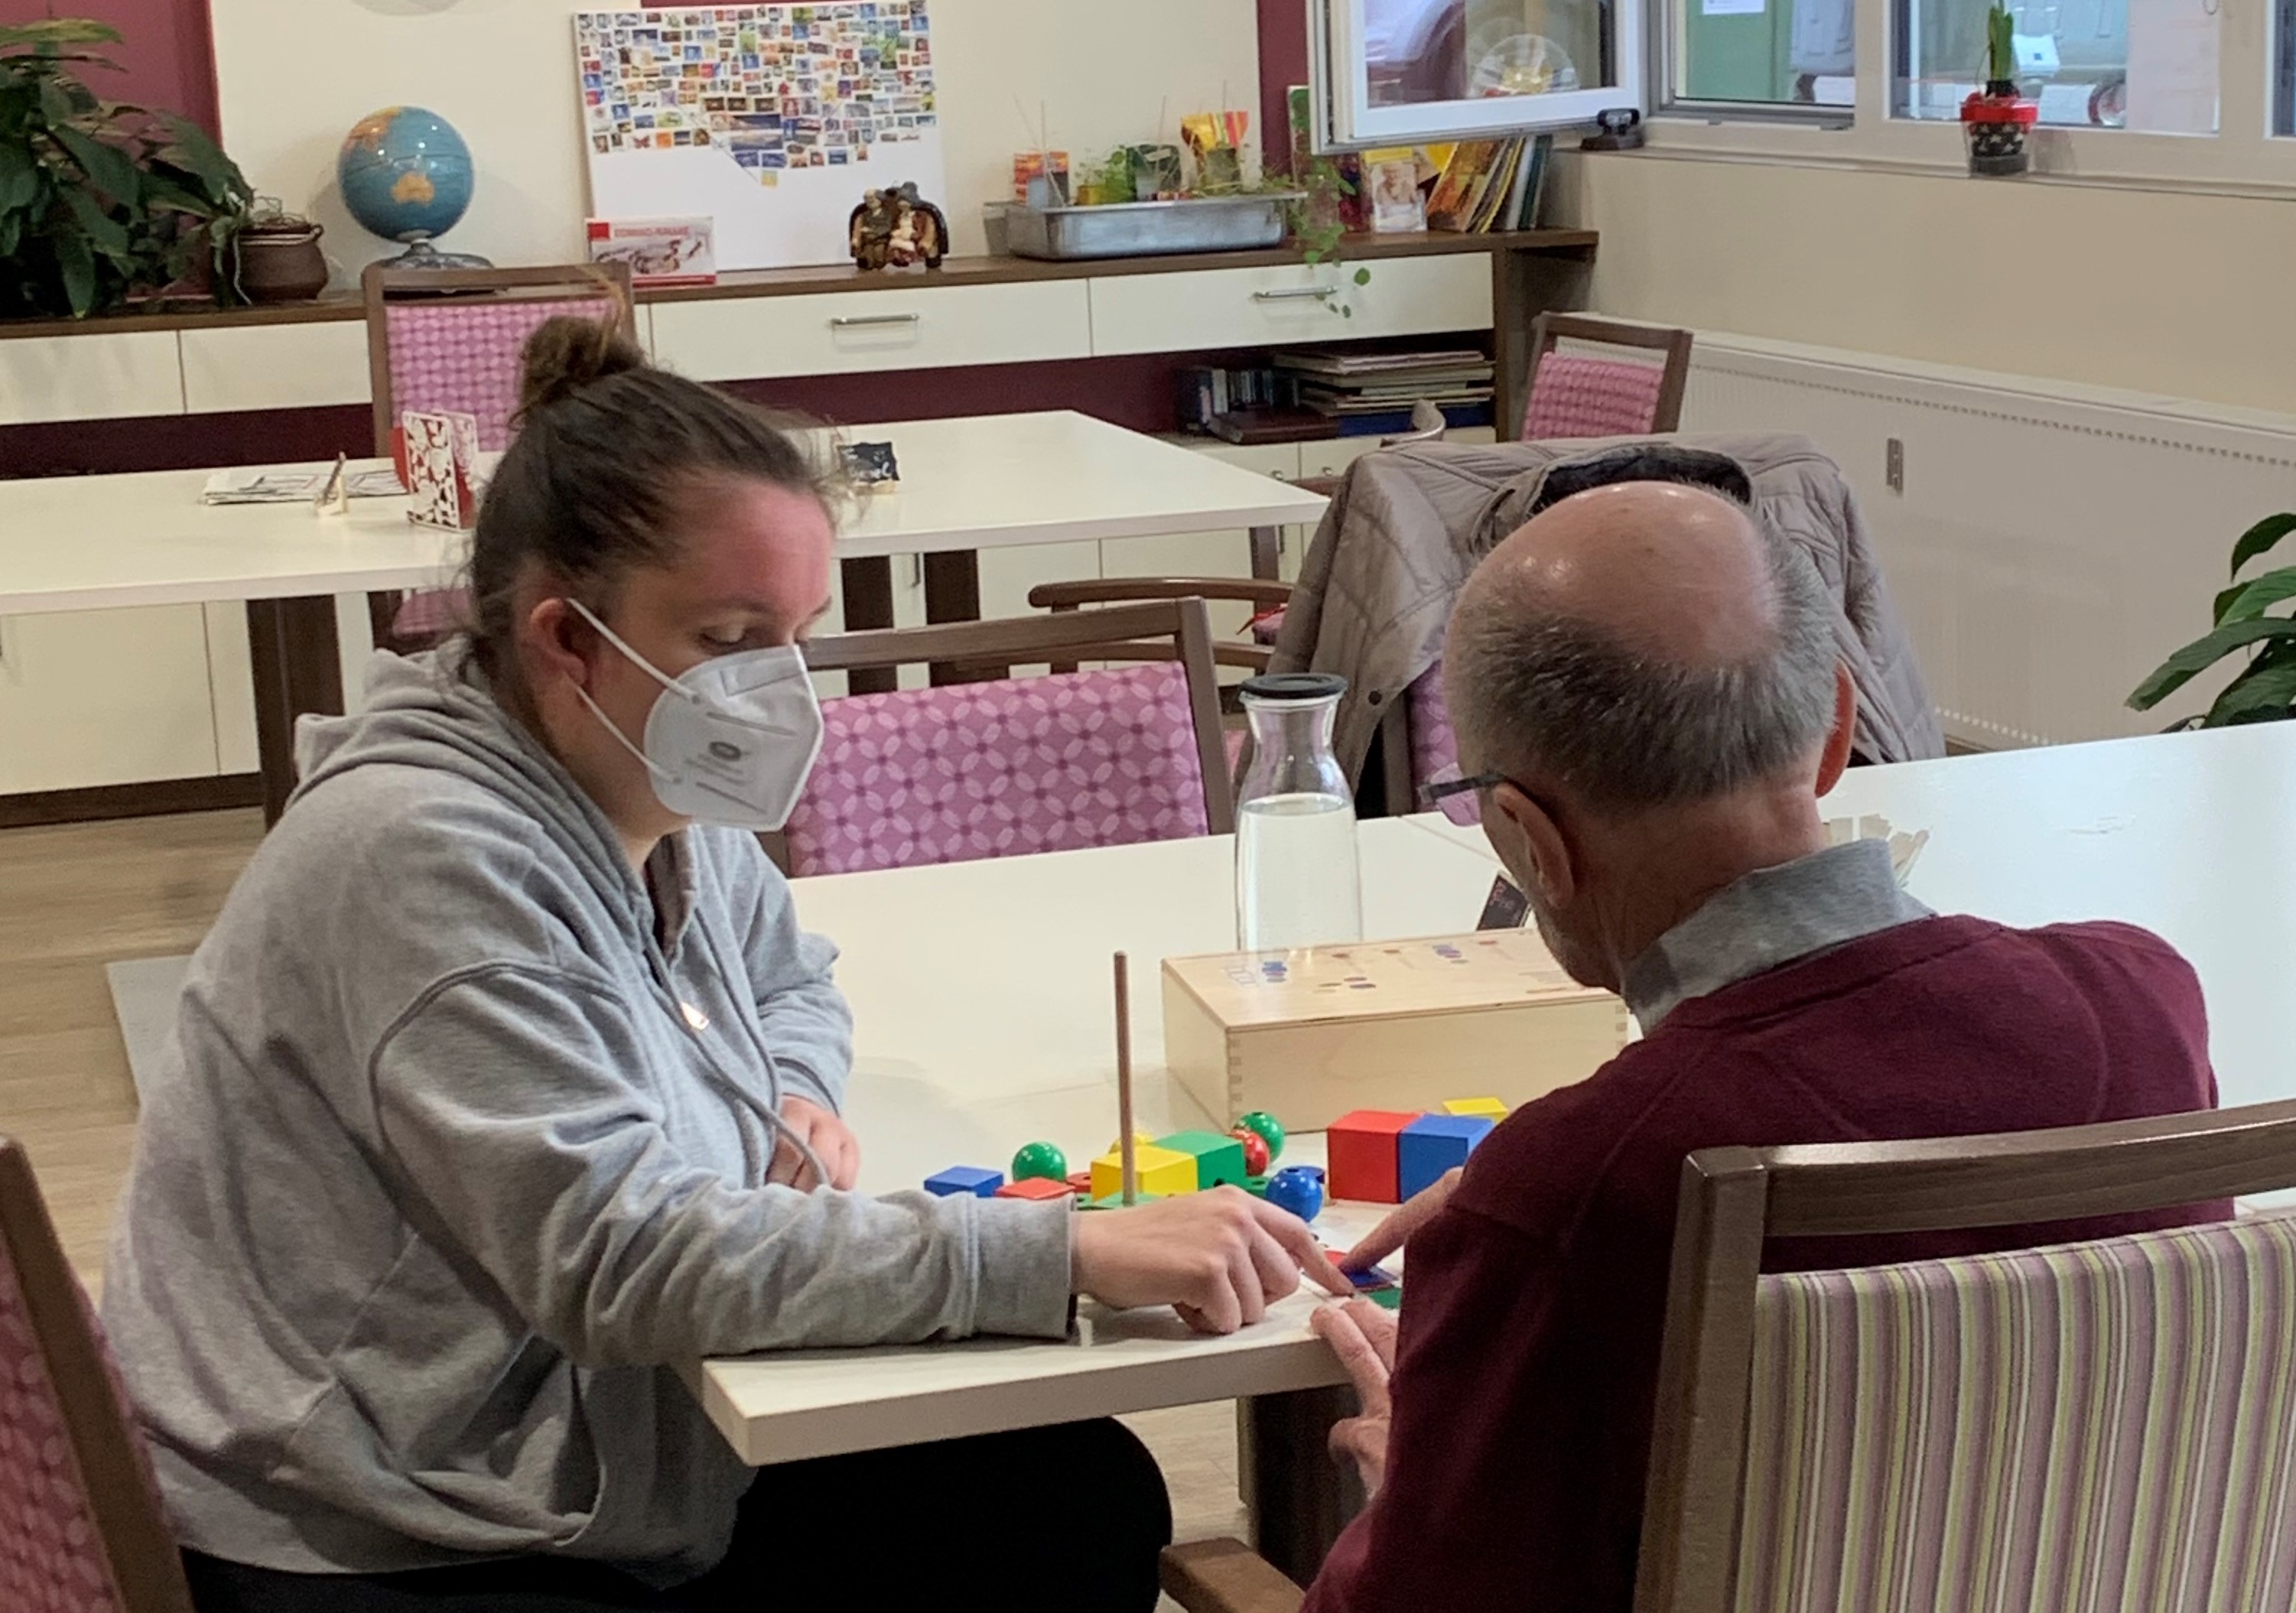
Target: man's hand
(1217, 1258)
(1362, 1335)
(827, 1135)
(1393, 1232)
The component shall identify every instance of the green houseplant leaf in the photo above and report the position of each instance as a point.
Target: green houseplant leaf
(2244, 600)
(2260, 537)
(2262, 693)
(2204, 652)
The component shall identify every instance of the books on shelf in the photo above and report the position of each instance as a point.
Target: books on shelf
(1368, 393)
(1208, 392)
(1491, 185)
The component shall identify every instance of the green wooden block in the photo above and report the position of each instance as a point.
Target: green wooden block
(1257, 1186)
(1115, 1201)
(1219, 1160)
(1386, 1298)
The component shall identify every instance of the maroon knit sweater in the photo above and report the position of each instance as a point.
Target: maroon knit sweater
(1534, 1303)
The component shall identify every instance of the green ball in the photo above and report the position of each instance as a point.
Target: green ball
(1270, 1130)
(1040, 1159)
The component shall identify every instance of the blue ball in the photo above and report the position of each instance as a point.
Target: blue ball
(1298, 1188)
(405, 174)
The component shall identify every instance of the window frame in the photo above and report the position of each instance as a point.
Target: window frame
(1346, 121)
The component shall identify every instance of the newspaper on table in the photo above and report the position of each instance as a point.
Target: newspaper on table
(274, 486)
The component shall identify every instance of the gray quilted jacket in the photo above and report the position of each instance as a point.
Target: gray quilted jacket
(1409, 523)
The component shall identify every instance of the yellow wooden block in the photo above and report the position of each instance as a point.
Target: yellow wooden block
(1161, 1171)
(1491, 1107)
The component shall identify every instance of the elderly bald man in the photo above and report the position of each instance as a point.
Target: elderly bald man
(1646, 695)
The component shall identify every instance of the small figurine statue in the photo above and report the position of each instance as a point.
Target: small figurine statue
(898, 229)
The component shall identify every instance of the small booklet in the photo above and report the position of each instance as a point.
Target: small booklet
(256, 486)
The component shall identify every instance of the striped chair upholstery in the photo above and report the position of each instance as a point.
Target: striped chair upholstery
(1001, 768)
(464, 356)
(2096, 1426)
(1575, 396)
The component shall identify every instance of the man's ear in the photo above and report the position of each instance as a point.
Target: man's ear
(1836, 755)
(1536, 842)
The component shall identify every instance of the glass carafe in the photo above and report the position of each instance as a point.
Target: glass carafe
(1296, 878)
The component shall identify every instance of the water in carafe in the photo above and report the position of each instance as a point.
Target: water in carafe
(1297, 883)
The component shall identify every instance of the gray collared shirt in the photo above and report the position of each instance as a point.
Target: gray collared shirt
(1771, 916)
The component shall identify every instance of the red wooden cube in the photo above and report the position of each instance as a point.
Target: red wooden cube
(1359, 1151)
(1033, 1187)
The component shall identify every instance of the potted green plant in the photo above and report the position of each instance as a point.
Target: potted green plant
(1319, 222)
(1996, 118)
(99, 201)
(2264, 690)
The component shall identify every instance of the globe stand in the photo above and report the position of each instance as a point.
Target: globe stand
(420, 254)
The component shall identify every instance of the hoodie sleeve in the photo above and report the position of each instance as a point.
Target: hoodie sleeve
(805, 1019)
(502, 1103)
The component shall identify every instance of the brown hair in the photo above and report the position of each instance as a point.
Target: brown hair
(590, 484)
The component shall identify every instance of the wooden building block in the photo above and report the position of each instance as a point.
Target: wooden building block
(1220, 1160)
(1159, 1171)
(1392, 1025)
(964, 1179)
(1034, 1187)
(1359, 1155)
(1491, 1109)
(1433, 1144)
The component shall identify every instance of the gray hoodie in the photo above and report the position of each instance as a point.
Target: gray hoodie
(441, 1171)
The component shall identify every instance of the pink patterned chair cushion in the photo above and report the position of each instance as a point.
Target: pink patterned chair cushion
(464, 354)
(431, 615)
(1572, 395)
(999, 769)
(1433, 745)
(51, 1559)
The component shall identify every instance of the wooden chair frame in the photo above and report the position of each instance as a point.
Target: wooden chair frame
(1122, 633)
(380, 284)
(146, 1564)
(1735, 1198)
(1549, 329)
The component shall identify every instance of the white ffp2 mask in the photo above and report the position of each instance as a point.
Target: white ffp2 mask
(730, 741)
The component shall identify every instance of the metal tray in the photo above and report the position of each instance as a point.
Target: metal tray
(1140, 229)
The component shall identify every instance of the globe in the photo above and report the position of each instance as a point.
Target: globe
(406, 173)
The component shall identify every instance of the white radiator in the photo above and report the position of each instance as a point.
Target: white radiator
(2050, 544)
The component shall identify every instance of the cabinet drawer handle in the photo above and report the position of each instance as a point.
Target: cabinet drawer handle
(854, 321)
(1293, 293)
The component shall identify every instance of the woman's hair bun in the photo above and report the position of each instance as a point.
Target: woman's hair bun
(573, 351)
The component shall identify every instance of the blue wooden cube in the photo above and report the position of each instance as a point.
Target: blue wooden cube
(1433, 1144)
(965, 1179)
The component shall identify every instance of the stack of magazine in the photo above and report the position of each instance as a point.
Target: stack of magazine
(1491, 185)
(1371, 394)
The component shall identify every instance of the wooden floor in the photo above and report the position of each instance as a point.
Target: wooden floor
(81, 896)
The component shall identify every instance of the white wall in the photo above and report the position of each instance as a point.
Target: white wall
(296, 74)
(2181, 294)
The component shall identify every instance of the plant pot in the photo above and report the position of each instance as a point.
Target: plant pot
(281, 263)
(1995, 125)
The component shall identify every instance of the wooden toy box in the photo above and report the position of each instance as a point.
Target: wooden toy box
(1395, 1025)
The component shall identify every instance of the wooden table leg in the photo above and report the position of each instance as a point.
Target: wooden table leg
(868, 585)
(297, 668)
(953, 594)
(1298, 1498)
(1266, 552)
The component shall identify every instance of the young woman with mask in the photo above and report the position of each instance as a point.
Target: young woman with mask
(507, 1080)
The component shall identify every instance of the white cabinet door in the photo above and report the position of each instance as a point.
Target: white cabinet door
(847, 333)
(282, 366)
(89, 698)
(108, 375)
(1204, 308)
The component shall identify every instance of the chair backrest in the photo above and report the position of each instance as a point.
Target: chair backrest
(452, 339)
(1582, 395)
(80, 1526)
(2058, 1428)
(1005, 766)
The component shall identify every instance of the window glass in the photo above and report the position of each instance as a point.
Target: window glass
(1793, 53)
(2283, 68)
(1417, 52)
(2149, 65)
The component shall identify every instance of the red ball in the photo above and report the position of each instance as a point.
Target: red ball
(1255, 1151)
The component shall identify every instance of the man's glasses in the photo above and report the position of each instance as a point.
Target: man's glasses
(1458, 796)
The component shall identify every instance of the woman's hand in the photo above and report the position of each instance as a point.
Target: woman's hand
(1219, 1258)
(1362, 1335)
(827, 1135)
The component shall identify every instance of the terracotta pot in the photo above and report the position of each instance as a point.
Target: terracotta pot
(281, 263)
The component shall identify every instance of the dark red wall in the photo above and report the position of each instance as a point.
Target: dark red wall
(168, 55)
(1283, 63)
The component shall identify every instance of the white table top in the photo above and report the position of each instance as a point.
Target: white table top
(100, 541)
(981, 995)
(980, 992)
